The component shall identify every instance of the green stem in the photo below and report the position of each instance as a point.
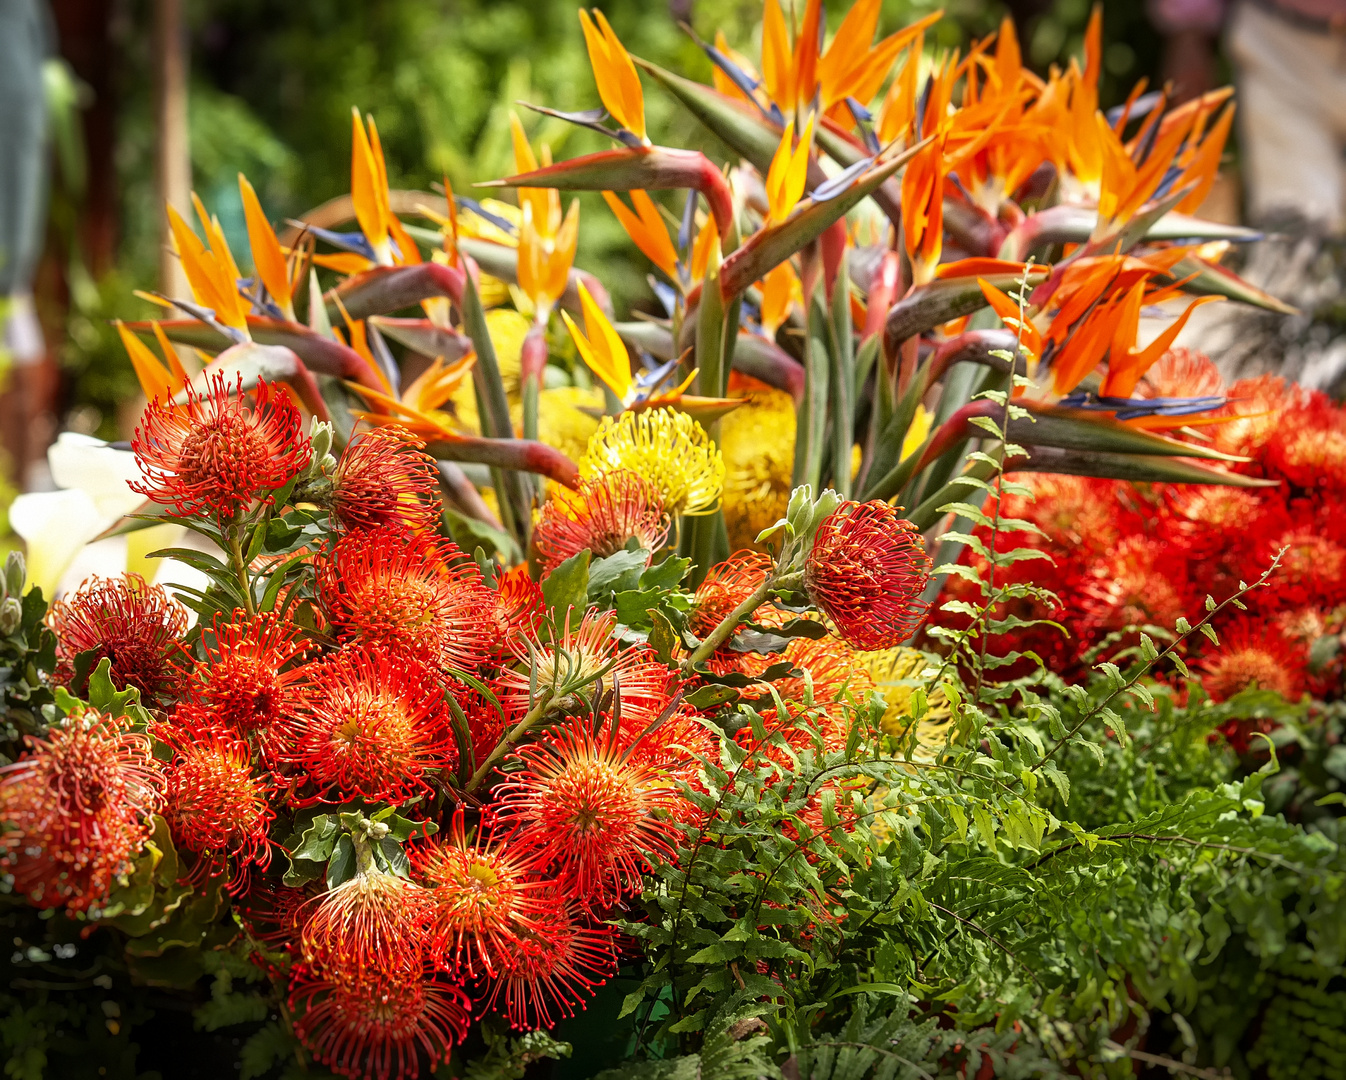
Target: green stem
(729, 624)
(522, 728)
(241, 569)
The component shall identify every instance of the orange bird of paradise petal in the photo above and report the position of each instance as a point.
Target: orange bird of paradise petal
(267, 257)
(646, 229)
(615, 74)
(788, 174)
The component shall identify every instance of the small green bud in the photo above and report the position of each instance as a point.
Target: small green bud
(16, 573)
(11, 616)
(320, 435)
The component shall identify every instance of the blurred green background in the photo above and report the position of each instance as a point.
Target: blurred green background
(272, 85)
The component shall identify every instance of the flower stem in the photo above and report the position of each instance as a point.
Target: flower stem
(522, 728)
(729, 624)
(240, 569)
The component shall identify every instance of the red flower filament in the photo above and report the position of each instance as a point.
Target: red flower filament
(866, 573)
(602, 516)
(217, 454)
(385, 478)
(373, 923)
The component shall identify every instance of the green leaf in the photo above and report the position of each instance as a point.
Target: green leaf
(710, 697)
(665, 575)
(264, 1049)
(318, 839)
(619, 572)
(567, 587)
(341, 867)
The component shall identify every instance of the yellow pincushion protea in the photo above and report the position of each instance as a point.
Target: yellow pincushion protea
(896, 674)
(669, 449)
(758, 441)
(561, 421)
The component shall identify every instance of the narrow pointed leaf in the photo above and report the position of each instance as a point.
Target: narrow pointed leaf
(937, 302)
(1147, 468)
(386, 289)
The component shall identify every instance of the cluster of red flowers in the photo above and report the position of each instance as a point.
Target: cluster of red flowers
(366, 679)
(1127, 556)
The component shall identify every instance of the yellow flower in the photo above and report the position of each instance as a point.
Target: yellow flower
(918, 432)
(618, 83)
(896, 673)
(788, 173)
(561, 421)
(669, 449)
(758, 441)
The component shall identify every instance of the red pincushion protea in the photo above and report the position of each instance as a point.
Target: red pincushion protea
(583, 653)
(602, 516)
(134, 624)
(217, 454)
(726, 586)
(216, 803)
(374, 923)
(379, 1028)
(1142, 581)
(518, 603)
(1252, 654)
(1255, 409)
(249, 681)
(385, 478)
(582, 806)
(76, 810)
(558, 963)
(373, 724)
(484, 896)
(866, 573)
(1312, 569)
(1308, 446)
(1080, 513)
(410, 594)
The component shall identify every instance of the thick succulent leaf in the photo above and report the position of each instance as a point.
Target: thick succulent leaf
(424, 337)
(319, 353)
(927, 306)
(522, 455)
(1213, 280)
(770, 247)
(643, 168)
(1142, 468)
(386, 289)
(768, 362)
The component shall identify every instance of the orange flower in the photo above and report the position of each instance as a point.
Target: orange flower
(788, 174)
(615, 74)
(602, 515)
(547, 242)
(646, 228)
(267, 257)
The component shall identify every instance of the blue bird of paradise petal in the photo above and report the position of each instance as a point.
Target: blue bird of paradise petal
(665, 294)
(504, 224)
(352, 241)
(743, 81)
(1133, 408)
(863, 118)
(830, 189)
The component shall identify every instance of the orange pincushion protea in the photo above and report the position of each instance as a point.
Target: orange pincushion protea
(217, 455)
(518, 603)
(866, 572)
(558, 963)
(1309, 448)
(374, 724)
(249, 680)
(606, 512)
(1181, 373)
(385, 478)
(588, 810)
(726, 586)
(76, 810)
(1141, 581)
(1252, 654)
(134, 624)
(484, 896)
(1254, 410)
(410, 594)
(374, 923)
(215, 803)
(378, 1028)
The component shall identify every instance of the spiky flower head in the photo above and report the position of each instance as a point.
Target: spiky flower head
(372, 924)
(559, 962)
(578, 657)
(866, 572)
(216, 455)
(669, 449)
(133, 624)
(378, 1028)
(1141, 580)
(1252, 654)
(586, 809)
(373, 724)
(519, 604)
(411, 594)
(484, 895)
(385, 478)
(76, 810)
(726, 586)
(1309, 449)
(216, 803)
(602, 515)
(250, 680)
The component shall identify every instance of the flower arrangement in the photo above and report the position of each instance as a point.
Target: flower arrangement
(471, 707)
(1127, 557)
